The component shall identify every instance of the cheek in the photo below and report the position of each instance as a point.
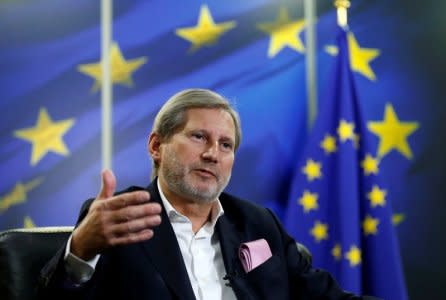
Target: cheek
(227, 163)
(187, 153)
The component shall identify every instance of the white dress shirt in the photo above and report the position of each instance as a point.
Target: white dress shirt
(201, 253)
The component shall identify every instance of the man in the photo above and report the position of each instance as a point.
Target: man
(181, 237)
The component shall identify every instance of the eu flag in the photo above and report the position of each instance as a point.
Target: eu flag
(338, 205)
(50, 130)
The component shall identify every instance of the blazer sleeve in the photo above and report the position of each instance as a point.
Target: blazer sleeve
(54, 282)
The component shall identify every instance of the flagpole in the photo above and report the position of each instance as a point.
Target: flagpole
(310, 58)
(106, 84)
(341, 9)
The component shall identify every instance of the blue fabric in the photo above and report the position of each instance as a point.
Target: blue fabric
(342, 201)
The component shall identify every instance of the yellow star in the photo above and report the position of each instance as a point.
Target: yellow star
(370, 225)
(319, 231)
(328, 144)
(309, 201)
(346, 131)
(206, 32)
(337, 252)
(18, 194)
(353, 256)
(397, 219)
(393, 134)
(284, 32)
(377, 196)
(28, 223)
(370, 165)
(45, 136)
(332, 50)
(312, 169)
(360, 58)
(121, 69)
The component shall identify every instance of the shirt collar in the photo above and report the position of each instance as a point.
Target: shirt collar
(216, 212)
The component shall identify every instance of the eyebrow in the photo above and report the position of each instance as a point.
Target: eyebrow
(227, 139)
(206, 132)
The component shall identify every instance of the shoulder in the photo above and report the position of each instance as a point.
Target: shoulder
(232, 203)
(247, 212)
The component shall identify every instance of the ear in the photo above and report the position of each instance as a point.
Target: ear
(154, 146)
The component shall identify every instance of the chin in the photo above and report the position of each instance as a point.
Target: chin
(205, 194)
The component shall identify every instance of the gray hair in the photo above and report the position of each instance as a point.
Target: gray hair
(172, 116)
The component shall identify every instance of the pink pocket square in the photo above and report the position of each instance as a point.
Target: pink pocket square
(253, 254)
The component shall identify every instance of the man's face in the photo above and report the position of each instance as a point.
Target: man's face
(196, 162)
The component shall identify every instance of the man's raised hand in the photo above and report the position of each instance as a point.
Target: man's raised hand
(115, 220)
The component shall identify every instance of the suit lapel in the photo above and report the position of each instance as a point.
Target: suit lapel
(232, 233)
(230, 239)
(165, 253)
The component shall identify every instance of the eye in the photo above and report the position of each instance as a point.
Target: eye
(227, 145)
(197, 135)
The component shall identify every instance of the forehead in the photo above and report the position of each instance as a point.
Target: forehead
(211, 119)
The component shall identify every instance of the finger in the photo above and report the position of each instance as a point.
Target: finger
(108, 184)
(128, 199)
(135, 212)
(132, 238)
(135, 226)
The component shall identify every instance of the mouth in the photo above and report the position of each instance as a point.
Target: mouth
(205, 173)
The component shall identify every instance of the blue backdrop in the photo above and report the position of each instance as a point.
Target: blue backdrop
(50, 101)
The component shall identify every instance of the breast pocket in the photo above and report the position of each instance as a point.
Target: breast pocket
(269, 280)
(270, 268)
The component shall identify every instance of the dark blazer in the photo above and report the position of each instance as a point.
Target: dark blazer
(154, 269)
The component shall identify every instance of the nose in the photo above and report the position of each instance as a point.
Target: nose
(211, 152)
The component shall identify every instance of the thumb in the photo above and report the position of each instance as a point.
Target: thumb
(108, 184)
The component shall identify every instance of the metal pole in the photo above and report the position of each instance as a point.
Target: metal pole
(310, 57)
(106, 84)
